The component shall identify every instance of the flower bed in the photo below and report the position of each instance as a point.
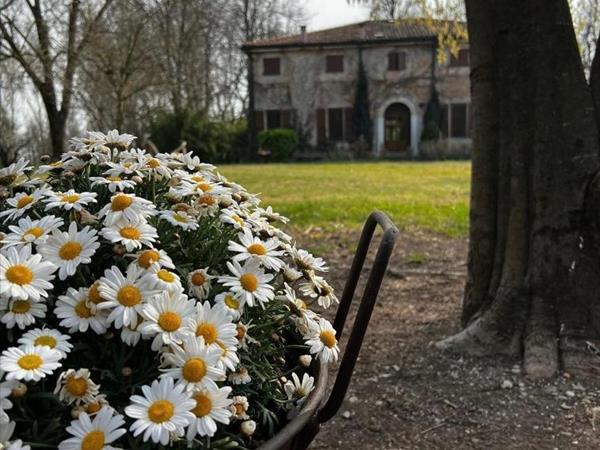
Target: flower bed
(147, 301)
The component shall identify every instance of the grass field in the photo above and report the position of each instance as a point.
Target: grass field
(430, 195)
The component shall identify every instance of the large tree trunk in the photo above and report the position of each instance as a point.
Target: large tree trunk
(57, 126)
(535, 227)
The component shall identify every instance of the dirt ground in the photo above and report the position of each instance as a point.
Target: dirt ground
(407, 395)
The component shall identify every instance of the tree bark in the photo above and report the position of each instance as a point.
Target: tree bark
(535, 164)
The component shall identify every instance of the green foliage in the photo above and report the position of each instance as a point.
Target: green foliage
(281, 142)
(212, 141)
(361, 120)
(432, 118)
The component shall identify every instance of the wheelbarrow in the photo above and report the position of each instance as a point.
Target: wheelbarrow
(318, 409)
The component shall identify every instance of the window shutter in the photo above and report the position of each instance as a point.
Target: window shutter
(271, 66)
(444, 120)
(321, 132)
(260, 121)
(458, 126)
(348, 128)
(393, 61)
(334, 63)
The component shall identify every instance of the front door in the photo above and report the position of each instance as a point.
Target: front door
(397, 128)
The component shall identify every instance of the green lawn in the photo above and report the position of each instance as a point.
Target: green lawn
(429, 195)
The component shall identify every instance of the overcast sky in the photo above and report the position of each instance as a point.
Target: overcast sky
(331, 13)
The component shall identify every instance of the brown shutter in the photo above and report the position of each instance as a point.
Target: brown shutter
(260, 121)
(285, 119)
(458, 126)
(321, 132)
(348, 128)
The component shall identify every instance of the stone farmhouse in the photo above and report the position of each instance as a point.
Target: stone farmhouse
(309, 82)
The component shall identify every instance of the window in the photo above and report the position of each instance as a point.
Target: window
(396, 61)
(460, 60)
(455, 120)
(273, 119)
(336, 124)
(334, 63)
(271, 66)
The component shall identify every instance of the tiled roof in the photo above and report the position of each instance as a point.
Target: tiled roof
(363, 32)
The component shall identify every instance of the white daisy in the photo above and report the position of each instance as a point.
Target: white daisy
(21, 203)
(31, 231)
(145, 258)
(164, 279)
(155, 166)
(322, 341)
(212, 406)
(228, 359)
(249, 283)
(126, 208)
(113, 139)
(180, 219)
(78, 312)
(251, 247)
(29, 363)
(69, 249)
(199, 283)
(95, 405)
(23, 313)
(318, 288)
(23, 275)
(6, 431)
(70, 200)
(297, 390)
(240, 376)
(194, 364)
(233, 306)
(167, 318)
(125, 295)
(76, 386)
(6, 388)
(122, 168)
(14, 171)
(193, 162)
(131, 335)
(214, 325)
(94, 434)
(233, 218)
(114, 183)
(305, 261)
(48, 337)
(163, 412)
(239, 407)
(132, 235)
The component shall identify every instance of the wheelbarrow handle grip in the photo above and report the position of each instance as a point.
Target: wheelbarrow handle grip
(361, 322)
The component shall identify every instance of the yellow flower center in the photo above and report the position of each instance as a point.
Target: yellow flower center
(197, 178)
(24, 201)
(231, 302)
(120, 202)
(70, 198)
(241, 332)
(165, 275)
(94, 440)
(239, 409)
(130, 233)
(169, 321)
(129, 295)
(257, 249)
(203, 405)
(30, 362)
(94, 294)
(114, 179)
(147, 258)
(76, 386)
(206, 199)
(70, 250)
(82, 310)
(35, 231)
(208, 331)
(204, 187)
(249, 282)
(161, 411)
(179, 218)
(328, 338)
(19, 274)
(153, 163)
(238, 219)
(194, 370)
(198, 279)
(20, 306)
(48, 341)
(92, 408)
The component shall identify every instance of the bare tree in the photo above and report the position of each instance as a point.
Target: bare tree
(48, 48)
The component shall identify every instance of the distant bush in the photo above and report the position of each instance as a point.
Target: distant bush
(431, 131)
(281, 142)
(212, 141)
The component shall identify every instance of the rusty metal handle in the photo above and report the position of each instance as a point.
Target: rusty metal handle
(376, 274)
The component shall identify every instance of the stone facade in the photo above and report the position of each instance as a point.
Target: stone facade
(302, 89)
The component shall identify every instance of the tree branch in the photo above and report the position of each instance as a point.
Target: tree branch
(18, 55)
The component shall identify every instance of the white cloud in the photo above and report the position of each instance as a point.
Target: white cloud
(332, 13)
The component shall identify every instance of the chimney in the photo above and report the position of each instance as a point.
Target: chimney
(303, 32)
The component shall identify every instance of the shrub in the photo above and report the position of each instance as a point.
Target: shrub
(281, 142)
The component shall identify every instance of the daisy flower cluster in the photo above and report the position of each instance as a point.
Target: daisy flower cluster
(147, 301)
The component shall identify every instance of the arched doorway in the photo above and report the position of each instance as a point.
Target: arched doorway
(397, 128)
